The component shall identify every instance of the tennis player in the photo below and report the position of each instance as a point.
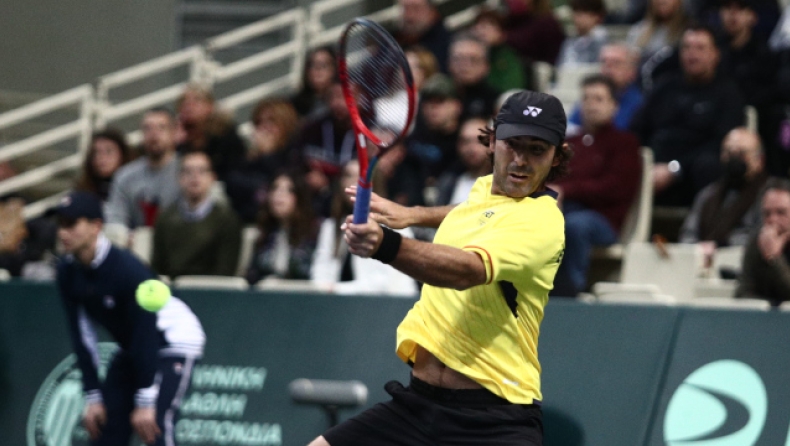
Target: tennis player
(472, 337)
(151, 371)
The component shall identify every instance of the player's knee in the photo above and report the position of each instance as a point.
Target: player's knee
(320, 441)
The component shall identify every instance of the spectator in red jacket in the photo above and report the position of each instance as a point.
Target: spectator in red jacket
(605, 172)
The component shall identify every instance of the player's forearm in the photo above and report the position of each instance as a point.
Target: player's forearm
(440, 265)
(430, 217)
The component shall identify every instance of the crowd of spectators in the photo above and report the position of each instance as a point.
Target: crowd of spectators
(678, 84)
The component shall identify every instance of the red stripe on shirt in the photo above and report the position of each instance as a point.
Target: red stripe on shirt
(490, 262)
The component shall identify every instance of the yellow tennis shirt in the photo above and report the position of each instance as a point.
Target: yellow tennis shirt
(490, 332)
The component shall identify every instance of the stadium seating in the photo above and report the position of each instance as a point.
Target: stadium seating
(215, 282)
(729, 303)
(249, 235)
(637, 223)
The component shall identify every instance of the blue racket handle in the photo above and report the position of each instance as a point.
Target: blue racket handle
(362, 204)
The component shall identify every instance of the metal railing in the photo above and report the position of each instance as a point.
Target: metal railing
(97, 108)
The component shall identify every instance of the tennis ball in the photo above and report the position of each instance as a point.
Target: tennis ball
(152, 295)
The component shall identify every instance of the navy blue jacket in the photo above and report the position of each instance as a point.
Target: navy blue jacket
(104, 292)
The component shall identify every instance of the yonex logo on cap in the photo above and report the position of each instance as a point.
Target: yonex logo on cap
(532, 111)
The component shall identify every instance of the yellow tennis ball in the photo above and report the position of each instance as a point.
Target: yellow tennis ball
(152, 295)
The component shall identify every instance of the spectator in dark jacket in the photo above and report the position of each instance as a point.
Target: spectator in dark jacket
(685, 118)
(533, 30)
(605, 172)
(766, 262)
(421, 24)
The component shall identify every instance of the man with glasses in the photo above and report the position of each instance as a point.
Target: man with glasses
(197, 235)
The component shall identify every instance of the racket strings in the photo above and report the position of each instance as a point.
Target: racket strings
(376, 76)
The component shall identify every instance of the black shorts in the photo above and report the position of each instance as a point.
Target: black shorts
(422, 414)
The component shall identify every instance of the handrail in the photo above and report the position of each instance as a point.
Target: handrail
(46, 105)
(254, 29)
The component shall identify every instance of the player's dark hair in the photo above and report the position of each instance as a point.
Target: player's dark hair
(563, 153)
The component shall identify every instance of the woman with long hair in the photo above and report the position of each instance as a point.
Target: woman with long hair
(288, 232)
(662, 27)
(320, 72)
(107, 152)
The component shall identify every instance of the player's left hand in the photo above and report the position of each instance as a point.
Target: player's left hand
(144, 423)
(363, 239)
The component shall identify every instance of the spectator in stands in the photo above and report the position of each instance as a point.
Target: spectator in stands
(205, 128)
(507, 69)
(320, 72)
(473, 162)
(402, 176)
(420, 23)
(436, 130)
(271, 150)
(423, 64)
(107, 153)
(685, 118)
(23, 243)
(324, 145)
(660, 30)
(469, 68)
(604, 181)
(533, 30)
(288, 232)
(727, 211)
(766, 262)
(341, 272)
(619, 63)
(197, 235)
(746, 57)
(590, 37)
(142, 188)
(751, 64)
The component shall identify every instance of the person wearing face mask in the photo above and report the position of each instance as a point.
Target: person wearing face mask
(727, 211)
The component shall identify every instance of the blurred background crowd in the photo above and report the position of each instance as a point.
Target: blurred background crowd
(683, 104)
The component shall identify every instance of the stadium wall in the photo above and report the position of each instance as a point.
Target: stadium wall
(613, 375)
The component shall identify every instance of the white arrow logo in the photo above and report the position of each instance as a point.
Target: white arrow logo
(532, 111)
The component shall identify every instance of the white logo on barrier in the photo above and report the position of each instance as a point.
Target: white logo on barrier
(532, 111)
(723, 403)
(56, 414)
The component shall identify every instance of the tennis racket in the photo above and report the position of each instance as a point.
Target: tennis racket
(379, 91)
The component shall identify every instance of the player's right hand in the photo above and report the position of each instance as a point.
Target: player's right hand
(384, 211)
(93, 419)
